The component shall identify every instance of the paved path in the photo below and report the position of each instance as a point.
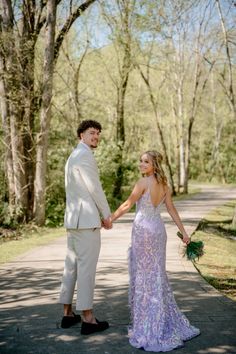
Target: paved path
(29, 286)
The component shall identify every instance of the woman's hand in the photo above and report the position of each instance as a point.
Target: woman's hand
(112, 217)
(186, 239)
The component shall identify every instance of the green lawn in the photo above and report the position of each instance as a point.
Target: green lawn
(218, 264)
(28, 240)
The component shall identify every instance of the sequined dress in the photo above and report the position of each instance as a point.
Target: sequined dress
(156, 321)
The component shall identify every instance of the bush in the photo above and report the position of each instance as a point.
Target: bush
(108, 163)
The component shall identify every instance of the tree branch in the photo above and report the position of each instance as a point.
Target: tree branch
(41, 18)
(69, 22)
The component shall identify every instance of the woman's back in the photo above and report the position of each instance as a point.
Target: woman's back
(156, 190)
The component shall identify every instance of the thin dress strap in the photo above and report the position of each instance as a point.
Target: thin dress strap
(148, 184)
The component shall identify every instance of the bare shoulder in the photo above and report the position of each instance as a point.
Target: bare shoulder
(166, 188)
(140, 185)
(142, 182)
(168, 195)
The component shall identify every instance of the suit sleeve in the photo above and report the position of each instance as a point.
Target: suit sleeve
(89, 172)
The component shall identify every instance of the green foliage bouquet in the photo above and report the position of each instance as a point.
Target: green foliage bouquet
(194, 249)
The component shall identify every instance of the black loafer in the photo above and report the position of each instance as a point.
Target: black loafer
(89, 328)
(68, 321)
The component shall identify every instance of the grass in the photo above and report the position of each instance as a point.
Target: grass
(218, 264)
(26, 241)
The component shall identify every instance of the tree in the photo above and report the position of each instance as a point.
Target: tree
(189, 75)
(22, 24)
(45, 114)
(121, 29)
(155, 106)
(227, 80)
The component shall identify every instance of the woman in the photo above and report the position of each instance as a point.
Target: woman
(156, 321)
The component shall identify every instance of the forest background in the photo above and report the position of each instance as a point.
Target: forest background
(157, 75)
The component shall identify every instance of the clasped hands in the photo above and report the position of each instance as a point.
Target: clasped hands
(107, 223)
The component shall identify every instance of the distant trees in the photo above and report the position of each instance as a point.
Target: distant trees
(157, 74)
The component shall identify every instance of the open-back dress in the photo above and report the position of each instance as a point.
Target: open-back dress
(157, 324)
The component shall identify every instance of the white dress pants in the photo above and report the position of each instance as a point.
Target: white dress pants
(83, 247)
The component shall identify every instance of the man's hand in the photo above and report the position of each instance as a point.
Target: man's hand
(106, 223)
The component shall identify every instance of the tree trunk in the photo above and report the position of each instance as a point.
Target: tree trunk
(181, 144)
(196, 80)
(12, 104)
(234, 219)
(177, 81)
(177, 145)
(120, 134)
(218, 126)
(120, 108)
(27, 40)
(6, 21)
(45, 115)
(7, 140)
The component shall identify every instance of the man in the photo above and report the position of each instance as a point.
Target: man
(86, 205)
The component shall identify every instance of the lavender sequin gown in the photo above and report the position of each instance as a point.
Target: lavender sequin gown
(156, 321)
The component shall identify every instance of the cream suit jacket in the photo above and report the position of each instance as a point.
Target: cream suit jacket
(86, 202)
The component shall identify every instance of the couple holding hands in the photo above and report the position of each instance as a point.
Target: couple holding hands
(156, 321)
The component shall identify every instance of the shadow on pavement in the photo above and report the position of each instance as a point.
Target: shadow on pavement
(30, 315)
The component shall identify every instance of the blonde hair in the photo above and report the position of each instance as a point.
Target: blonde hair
(157, 159)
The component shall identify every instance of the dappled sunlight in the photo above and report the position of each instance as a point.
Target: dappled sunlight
(26, 317)
(221, 349)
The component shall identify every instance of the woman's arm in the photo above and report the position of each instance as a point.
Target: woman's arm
(175, 216)
(134, 196)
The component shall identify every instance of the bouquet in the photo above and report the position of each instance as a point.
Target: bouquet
(194, 249)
